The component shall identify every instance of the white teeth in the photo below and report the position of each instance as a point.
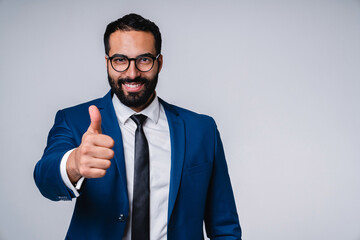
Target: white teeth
(132, 85)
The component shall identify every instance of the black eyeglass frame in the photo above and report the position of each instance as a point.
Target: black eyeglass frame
(133, 59)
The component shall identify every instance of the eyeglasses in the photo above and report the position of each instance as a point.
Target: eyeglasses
(143, 63)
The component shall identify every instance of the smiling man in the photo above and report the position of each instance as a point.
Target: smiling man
(139, 167)
(134, 86)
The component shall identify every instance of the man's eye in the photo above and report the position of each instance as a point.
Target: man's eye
(119, 60)
(144, 60)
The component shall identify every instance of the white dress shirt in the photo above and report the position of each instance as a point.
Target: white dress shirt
(156, 129)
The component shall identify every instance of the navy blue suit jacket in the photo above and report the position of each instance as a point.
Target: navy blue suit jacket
(200, 188)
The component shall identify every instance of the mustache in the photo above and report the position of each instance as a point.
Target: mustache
(135, 80)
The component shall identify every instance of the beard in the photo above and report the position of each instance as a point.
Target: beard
(133, 99)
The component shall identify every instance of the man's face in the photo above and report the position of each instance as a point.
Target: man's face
(134, 88)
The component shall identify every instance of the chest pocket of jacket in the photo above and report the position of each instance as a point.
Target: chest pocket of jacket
(198, 169)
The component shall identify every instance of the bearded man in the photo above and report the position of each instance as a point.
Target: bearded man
(139, 167)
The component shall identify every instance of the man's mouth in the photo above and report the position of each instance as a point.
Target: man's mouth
(133, 86)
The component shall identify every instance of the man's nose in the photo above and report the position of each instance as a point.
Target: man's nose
(132, 72)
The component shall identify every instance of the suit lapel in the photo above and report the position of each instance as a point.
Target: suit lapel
(177, 139)
(110, 127)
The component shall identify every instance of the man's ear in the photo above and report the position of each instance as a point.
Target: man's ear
(106, 60)
(160, 62)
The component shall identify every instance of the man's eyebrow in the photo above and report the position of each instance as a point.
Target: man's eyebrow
(146, 55)
(118, 55)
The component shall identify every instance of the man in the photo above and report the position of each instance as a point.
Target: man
(139, 167)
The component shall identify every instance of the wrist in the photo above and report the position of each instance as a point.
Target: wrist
(71, 169)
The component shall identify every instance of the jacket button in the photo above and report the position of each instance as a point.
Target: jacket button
(122, 218)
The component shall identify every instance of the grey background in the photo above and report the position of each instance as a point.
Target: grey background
(281, 78)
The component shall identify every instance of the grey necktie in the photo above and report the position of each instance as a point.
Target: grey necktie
(140, 229)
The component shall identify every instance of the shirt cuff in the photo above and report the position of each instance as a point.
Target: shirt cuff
(65, 176)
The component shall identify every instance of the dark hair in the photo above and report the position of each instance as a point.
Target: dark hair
(133, 22)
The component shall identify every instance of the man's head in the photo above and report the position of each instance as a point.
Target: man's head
(132, 47)
(133, 22)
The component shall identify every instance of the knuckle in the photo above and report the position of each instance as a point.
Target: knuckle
(85, 137)
(85, 150)
(112, 153)
(111, 142)
(109, 154)
(107, 164)
(88, 138)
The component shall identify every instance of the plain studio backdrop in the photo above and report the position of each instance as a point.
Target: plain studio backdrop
(281, 78)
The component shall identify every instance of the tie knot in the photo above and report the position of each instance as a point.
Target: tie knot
(139, 119)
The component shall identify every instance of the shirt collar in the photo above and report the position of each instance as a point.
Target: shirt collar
(123, 113)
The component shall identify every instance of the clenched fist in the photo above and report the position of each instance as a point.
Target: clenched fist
(92, 158)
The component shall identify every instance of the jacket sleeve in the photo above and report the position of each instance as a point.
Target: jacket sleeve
(47, 171)
(221, 218)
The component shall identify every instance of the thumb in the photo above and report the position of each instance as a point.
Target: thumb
(95, 118)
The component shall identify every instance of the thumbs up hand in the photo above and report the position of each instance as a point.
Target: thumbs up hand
(92, 158)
